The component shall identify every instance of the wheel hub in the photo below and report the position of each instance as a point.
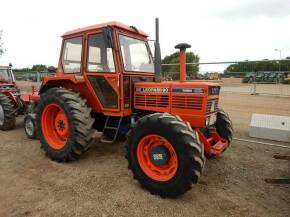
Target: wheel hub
(55, 126)
(61, 124)
(1, 115)
(159, 155)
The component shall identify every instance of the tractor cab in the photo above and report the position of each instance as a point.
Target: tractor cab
(7, 81)
(6, 75)
(102, 62)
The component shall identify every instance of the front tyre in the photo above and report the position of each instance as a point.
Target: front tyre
(224, 125)
(64, 124)
(164, 154)
(29, 126)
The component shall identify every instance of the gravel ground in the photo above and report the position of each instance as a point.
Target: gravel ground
(99, 184)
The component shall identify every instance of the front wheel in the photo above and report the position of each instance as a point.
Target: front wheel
(164, 154)
(224, 125)
(29, 126)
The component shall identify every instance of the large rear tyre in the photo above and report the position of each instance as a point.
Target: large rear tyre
(64, 124)
(164, 154)
(7, 113)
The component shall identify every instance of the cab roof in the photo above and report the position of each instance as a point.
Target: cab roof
(102, 25)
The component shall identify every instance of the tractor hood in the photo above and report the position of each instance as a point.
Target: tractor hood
(178, 87)
(192, 101)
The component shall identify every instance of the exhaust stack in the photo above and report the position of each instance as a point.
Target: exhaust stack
(157, 59)
(182, 60)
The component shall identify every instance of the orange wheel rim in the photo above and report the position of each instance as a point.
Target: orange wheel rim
(55, 126)
(157, 158)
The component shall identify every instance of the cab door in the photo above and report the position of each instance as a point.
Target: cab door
(101, 70)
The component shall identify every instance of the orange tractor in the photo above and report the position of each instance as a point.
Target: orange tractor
(107, 80)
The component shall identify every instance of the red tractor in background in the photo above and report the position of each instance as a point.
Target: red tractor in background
(107, 80)
(11, 102)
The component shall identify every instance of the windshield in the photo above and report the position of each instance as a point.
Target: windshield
(136, 55)
(5, 75)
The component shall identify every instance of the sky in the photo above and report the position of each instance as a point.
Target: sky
(223, 30)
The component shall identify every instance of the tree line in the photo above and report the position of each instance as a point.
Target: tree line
(267, 66)
(34, 68)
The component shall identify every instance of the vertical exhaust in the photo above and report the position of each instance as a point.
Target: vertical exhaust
(157, 59)
(182, 60)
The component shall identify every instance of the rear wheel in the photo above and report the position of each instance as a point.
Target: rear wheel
(164, 154)
(7, 113)
(64, 124)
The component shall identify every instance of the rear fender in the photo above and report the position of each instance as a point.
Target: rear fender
(76, 83)
(60, 81)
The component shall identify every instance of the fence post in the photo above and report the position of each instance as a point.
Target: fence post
(280, 87)
(38, 77)
(254, 84)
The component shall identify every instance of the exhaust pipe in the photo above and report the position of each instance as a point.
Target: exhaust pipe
(182, 60)
(157, 59)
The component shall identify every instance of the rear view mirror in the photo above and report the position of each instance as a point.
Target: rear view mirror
(108, 37)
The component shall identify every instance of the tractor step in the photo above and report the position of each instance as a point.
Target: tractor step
(112, 124)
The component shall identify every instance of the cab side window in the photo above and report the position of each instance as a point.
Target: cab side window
(72, 55)
(99, 58)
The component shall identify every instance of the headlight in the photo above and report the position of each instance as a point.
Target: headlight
(210, 120)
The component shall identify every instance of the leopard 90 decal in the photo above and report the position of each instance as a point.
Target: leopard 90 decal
(187, 90)
(152, 89)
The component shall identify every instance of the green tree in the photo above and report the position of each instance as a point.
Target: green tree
(39, 68)
(173, 59)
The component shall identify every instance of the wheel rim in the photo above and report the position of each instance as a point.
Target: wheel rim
(1, 115)
(55, 126)
(29, 127)
(157, 158)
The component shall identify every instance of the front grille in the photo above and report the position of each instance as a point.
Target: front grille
(152, 100)
(213, 90)
(187, 102)
(211, 106)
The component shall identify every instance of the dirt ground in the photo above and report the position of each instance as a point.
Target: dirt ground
(99, 184)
